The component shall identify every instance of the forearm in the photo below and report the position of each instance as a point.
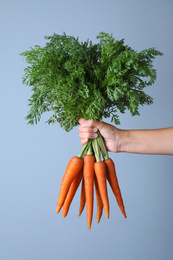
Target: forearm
(156, 141)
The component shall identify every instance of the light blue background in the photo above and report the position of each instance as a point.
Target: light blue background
(33, 158)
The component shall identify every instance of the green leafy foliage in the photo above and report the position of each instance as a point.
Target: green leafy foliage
(75, 79)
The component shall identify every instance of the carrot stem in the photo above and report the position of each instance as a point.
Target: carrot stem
(102, 147)
(90, 150)
(85, 148)
(96, 149)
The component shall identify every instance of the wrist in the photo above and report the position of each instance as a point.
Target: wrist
(123, 140)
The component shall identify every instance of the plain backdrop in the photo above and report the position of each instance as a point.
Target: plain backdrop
(33, 158)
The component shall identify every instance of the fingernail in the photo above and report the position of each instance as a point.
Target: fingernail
(84, 124)
(95, 135)
(94, 129)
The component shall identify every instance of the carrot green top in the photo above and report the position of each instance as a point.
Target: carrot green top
(73, 79)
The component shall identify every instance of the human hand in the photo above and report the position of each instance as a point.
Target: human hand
(88, 130)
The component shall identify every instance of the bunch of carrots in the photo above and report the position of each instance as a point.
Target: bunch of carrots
(89, 169)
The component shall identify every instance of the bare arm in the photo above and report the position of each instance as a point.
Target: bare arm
(153, 141)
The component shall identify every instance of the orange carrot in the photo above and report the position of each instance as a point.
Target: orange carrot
(113, 181)
(100, 172)
(82, 198)
(70, 195)
(88, 172)
(99, 201)
(73, 168)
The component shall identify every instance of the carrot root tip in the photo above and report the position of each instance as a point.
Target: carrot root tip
(124, 213)
(58, 209)
(64, 214)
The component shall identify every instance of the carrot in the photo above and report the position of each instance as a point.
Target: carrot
(88, 172)
(70, 195)
(82, 198)
(73, 168)
(113, 181)
(100, 172)
(99, 201)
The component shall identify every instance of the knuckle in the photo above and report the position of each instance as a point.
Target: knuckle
(90, 135)
(91, 122)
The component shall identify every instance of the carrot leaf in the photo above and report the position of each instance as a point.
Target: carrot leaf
(72, 79)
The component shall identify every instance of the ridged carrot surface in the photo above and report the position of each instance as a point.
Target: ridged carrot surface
(73, 168)
(99, 201)
(100, 172)
(113, 181)
(70, 195)
(88, 172)
(82, 198)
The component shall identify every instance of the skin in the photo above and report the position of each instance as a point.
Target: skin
(73, 168)
(88, 172)
(148, 141)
